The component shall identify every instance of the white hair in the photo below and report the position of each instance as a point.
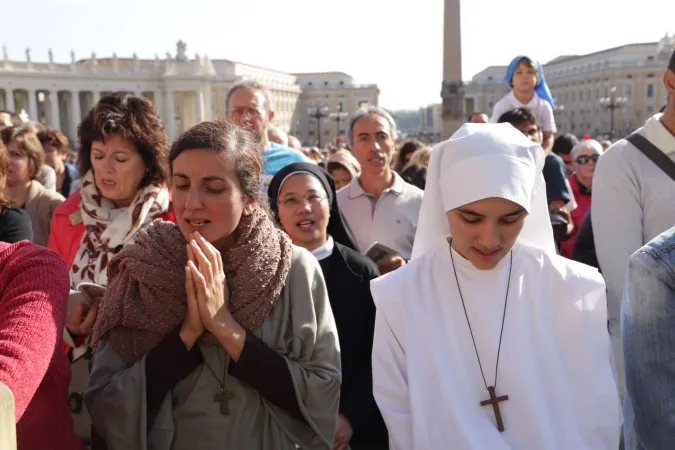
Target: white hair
(590, 144)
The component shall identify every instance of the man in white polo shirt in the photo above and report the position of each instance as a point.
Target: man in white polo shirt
(378, 205)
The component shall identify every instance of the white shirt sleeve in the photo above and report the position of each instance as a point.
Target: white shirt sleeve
(546, 119)
(616, 215)
(390, 384)
(499, 109)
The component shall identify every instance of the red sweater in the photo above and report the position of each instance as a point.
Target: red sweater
(583, 205)
(34, 288)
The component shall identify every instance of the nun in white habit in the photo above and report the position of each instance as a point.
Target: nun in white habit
(488, 339)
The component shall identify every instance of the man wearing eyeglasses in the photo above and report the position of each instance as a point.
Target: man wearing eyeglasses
(248, 105)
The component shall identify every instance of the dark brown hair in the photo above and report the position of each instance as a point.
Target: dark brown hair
(242, 148)
(134, 119)
(29, 144)
(54, 138)
(408, 147)
(3, 173)
(519, 116)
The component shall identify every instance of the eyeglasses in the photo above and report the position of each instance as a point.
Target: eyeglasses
(251, 112)
(585, 159)
(293, 202)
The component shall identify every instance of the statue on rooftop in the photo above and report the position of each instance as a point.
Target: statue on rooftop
(181, 50)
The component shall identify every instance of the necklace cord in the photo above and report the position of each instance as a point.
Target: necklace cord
(221, 383)
(501, 333)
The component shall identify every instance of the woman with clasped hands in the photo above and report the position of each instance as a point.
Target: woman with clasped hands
(215, 333)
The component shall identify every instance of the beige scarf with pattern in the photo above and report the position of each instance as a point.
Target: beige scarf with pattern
(107, 229)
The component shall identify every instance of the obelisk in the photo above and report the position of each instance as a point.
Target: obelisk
(452, 89)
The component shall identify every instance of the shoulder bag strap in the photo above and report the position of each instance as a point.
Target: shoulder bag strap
(652, 152)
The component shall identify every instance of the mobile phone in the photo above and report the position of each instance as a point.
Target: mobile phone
(91, 293)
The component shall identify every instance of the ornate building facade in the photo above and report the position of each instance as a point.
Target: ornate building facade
(582, 87)
(185, 90)
(338, 95)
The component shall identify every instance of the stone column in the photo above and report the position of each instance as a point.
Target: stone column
(75, 114)
(9, 100)
(452, 89)
(208, 103)
(199, 105)
(157, 101)
(170, 116)
(55, 119)
(32, 105)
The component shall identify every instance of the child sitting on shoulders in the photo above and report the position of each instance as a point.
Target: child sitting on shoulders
(529, 90)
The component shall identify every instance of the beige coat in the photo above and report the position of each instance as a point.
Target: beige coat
(300, 327)
(40, 206)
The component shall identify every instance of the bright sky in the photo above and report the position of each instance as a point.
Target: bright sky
(396, 44)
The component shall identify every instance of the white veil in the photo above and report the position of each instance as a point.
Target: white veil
(482, 161)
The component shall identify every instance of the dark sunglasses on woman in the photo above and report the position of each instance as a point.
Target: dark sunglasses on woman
(584, 159)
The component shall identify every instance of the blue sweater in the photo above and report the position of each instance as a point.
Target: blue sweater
(276, 157)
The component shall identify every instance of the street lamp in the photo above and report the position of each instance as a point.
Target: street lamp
(612, 103)
(318, 113)
(338, 116)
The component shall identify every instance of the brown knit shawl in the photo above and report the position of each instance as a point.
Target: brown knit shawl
(145, 298)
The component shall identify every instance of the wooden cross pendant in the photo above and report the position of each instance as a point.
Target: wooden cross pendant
(494, 401)
(223, 397)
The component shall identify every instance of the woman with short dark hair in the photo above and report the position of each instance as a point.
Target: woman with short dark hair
(405, 153)
(123, 158)
(25, 158)
(215, 332)
(123, 153)
(56, 146)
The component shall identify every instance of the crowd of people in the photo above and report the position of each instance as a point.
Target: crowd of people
(234, 289)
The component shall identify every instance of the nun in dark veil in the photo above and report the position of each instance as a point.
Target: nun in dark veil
(302, 197)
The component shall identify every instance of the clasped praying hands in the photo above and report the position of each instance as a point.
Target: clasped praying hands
(208, 298)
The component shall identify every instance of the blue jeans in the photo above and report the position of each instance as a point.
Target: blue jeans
(648, 334)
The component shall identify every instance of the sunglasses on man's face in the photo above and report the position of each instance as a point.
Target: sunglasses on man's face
(584, 159)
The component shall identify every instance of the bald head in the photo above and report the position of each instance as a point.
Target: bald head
(278, 136)
(479, 117)
(294, 142)
(5, 120)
